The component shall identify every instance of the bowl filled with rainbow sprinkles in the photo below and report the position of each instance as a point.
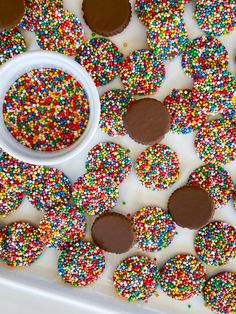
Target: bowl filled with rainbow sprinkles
(49, 107)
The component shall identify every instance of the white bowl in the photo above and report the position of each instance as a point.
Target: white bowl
(12, 70)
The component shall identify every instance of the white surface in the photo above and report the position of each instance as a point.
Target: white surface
(39, 286)
(26, 62)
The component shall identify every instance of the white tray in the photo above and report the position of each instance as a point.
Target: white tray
(41, 281)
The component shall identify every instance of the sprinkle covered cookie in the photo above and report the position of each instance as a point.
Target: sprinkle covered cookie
(21, 245)
(215, 244)
(157, 167)
(155, 229)
(142, 72)
(182, 277)
(81, 264)
(136, 278)
(101, 58)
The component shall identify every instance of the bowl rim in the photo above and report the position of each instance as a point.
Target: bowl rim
(17, 66)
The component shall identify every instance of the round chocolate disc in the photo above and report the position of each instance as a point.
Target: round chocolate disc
(147, 121)
(191, 207)
(113, 233)
(11, 13)
(107, 17)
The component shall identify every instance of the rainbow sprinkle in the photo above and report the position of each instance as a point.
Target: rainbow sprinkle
(157, 167)
(114, 105)
(81, 264)
(46, 110)
(154, 228)
(101, 58)
(21, 245)
(182, 277)
(215, 244)
(142, 73)
(136, 278)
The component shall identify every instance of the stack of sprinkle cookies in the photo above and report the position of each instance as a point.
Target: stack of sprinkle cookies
(47, 110)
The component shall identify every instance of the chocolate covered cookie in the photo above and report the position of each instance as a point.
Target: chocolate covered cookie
(11, 13)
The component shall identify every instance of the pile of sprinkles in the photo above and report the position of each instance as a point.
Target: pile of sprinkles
(12, 44)
(101, 58)
(203, 55)
(110, 158)
(46, 109)
(215, 244)
(182, 277)
(114, 105)
(220, 293)
(173, 38)
(21, 245)
(47, 187)
(10, 199)
(154, 228)
(157, 167)
(59, 30)
(216, 17)
(216, 181)
(33, 8)
(136, 278)
(81, 264)
(62, 226)
(214, 142)
(186, 114)
(95, 193)
(142, 72)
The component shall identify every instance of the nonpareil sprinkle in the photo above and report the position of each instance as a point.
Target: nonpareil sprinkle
(46, 109)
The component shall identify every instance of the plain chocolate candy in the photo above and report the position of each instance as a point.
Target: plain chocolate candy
(113, 233)
(107, 17)
(191, 207)
(147, 121)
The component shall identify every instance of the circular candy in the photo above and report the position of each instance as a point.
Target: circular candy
(158, 167)
(110, 158)
(47, 187)
(12, 44)
(136, 278)
(216, 91)
(182, 277)
(33, 8)
(171, 40)
(10, 199)
(12, 172)
(21, 245)
(95, 193)
(155, 229)
(113, 233)
(62, 226)
(114, 105)
(191, 207)
(215, 244)
(215, 142)
(142, 73)
(60, 31)
(186, 114)
(101, 58)
(220, 293)
(81, 264)
(147, 121)
(215, 17)
(203, 54)
(11, 12)
(216, 181)
(46, 110)
(105, 17)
